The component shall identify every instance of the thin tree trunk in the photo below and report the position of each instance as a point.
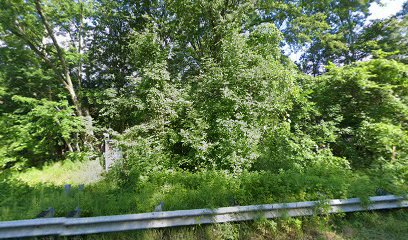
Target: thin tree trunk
(81, 26)
(70, 87)
(61, 56)
(66, 73)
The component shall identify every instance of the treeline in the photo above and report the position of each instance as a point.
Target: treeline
(206, 86)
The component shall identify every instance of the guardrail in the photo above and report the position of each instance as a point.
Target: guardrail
(117, 223)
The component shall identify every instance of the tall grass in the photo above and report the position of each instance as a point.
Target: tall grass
(24, 195)
(178, 190)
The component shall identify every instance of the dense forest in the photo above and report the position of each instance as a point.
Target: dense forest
(206, 99)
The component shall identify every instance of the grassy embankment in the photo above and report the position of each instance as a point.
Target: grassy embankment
(23, 195)
(365, 225)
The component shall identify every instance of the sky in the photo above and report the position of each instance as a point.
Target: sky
(389, 8)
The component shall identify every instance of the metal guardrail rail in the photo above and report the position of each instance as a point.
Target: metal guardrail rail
(117, 223)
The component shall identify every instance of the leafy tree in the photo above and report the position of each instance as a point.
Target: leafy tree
(112, 22)
(388, 37)
(37, 24)
(326, 31)
(203, 89)
(341, 43)
(370, 98)
(38, 131)
(217, 118)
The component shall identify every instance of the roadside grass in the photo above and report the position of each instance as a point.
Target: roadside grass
(24, 195)
(374, 225)
(178, 190)
(21, 201)
(389, 225)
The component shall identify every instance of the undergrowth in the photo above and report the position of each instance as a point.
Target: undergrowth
(180, 190)
(206, 189)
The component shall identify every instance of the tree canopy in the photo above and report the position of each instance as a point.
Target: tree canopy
(205, 85)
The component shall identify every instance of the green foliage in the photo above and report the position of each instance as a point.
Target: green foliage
(322, 31)
(370, 98)
(21, 201)
(387, 37)
(373, 225)
(212, 121)
(209, 189)
(381, 141)
(207, 109)
(38, 131)
(390, 225)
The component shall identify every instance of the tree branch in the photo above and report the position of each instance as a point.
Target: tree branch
(60, 53)
(19, 33)
(50, 32)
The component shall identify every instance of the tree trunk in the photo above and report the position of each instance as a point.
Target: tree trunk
(66, 72)
(73, 96)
